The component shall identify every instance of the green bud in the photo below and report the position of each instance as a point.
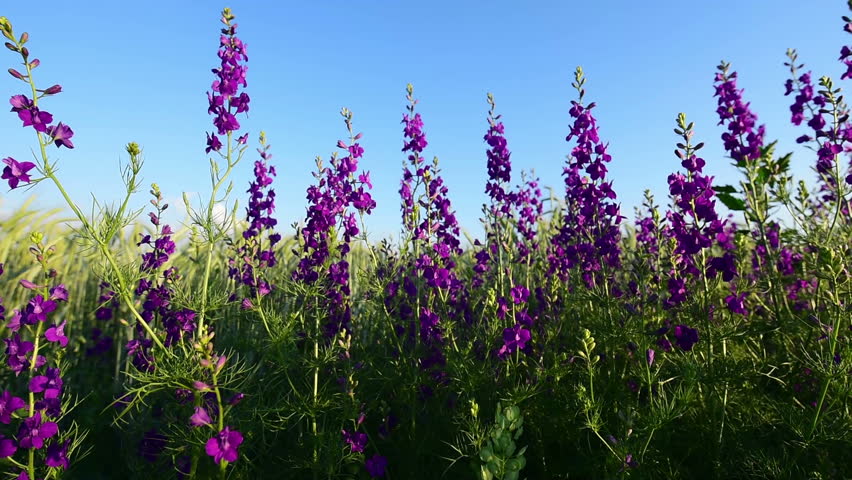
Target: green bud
(36, 237)
(133, 149)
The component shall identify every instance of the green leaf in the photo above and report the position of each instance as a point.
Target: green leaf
(732, 202)
(724, 189)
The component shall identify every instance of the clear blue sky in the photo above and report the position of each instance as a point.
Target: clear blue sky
(138, 71)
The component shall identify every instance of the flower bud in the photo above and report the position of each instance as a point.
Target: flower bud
(25, 52)
(11, 47)
(53, 90)
(35, 63)
(16, 74)
(24, 37)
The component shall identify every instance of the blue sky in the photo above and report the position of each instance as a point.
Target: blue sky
(138, 71)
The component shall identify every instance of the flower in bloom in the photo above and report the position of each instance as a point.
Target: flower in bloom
(30, 114)
(15, 172)
(50, 384)
(685, 337)
(514, 338)
(16, 353)
(376, 465)
(356, 440)
(8, 405)
(7, 447)
(37, 310)
(200, 417)
(61, 135)
(224, 445)
(56, 333)
(57, 455)
(33, 432)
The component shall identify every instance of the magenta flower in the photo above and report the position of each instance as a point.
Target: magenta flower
(7, 447)
(376, 466)
(200, 417)
(61, 135)
(224, 445)
(33, 432)
(356, 440)
(8, 405)
(56, 333)
(16, 172)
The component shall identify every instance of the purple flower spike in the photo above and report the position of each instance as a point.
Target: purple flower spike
(376, 466)
(56, 333)
(8, 405)
(224, 445)
(33, 432)
(16, 172)
(200, 418)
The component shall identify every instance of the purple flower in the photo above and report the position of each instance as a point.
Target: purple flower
(59, 293)
(38, 309)
(224, 445)
(514, 338)
(57, 455)
(33, 432)
(56, 333)
(356, 440)
(7, 447)
(376, 465)
(649, 356)
(16, 353)
(736, 303)
(200, 417)
(61, 135)
(685, 337)
(744, 139)
(50, 384)
(30, 114)
(8, 405)
(16, 172)
(520, 294)
(589, 238)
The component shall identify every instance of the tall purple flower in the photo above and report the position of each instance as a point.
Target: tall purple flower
(255, 253)
(589, 236)
(743, 139)
(693, 222)
(225, 100)
(340, 192)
